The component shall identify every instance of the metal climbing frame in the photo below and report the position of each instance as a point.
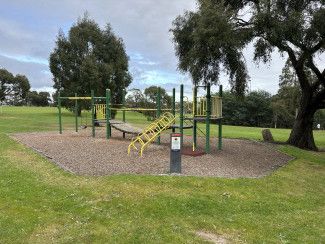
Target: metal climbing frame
(208, 109)
(151, 132)
(102, 110)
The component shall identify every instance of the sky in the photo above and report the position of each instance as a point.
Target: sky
(28, 30)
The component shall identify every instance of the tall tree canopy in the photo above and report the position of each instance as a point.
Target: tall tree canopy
(215, 35)
(90, 59)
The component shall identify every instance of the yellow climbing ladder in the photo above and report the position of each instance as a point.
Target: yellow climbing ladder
(150, 133)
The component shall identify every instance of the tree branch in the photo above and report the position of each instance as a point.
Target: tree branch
(320, 76)
(319, 100)
(241, 22)
(317, 46)
(289, 50)
(298, 64)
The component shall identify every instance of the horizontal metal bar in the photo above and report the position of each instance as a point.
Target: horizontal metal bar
(81, 98)
(138, 109)
(76, 98)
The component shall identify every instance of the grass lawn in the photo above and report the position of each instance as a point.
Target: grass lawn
(41, 203)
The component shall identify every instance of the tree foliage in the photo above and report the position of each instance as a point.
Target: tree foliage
(253, 109)
(286, 102)
(148, 99)
(40, 99)
(90, 58)
(13, 89)
(213, 38)
(151, 96)
(135, 99)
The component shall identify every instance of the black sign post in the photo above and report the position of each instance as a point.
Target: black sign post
(175, 153)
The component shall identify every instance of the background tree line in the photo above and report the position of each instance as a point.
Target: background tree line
(15, 90)
(260, 108)
(148, 99)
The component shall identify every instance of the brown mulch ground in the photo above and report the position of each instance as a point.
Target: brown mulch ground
(81, 154)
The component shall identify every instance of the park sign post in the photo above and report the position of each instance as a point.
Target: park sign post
(175, 153)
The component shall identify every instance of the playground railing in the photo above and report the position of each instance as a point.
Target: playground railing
(216, 107)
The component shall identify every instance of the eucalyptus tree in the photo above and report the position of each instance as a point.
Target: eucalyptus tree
(90, 58)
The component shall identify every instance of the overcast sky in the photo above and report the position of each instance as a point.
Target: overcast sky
(28, 30)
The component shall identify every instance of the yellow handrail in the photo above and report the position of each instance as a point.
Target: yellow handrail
(152, 131)
(101, 110)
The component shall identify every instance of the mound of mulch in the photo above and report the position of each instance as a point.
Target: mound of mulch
(81, 154)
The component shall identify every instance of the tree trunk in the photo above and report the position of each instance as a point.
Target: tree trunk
(302, 132)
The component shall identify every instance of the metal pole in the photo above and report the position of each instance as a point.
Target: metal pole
(108, 114)
(60, 118)
(173, 105)
(207, 120)
(123, 102)
(93, 112)
(181, 114)
(76, 111)
(194, 120)
(173, 101)
(220, 121)
(158, 104)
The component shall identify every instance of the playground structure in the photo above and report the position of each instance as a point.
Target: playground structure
(207, 109)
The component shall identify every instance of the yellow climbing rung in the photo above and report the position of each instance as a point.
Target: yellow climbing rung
(152, 131)
(100, 111)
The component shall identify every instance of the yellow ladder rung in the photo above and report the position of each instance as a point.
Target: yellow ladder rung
(147, 137)
(152, 131)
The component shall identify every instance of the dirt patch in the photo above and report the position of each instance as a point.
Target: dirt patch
(212, 237)
(81, 154)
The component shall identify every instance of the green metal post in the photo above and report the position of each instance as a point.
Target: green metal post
(60, 114)
(158, 104)
(174, 105)
(181, 114)
(76, 111)
(194, 113)
(108, 114)
(220, 122)
(93, 112)
(207, 120)
(123, 102)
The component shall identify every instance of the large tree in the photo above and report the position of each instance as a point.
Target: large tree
(90, 58)
(215, 35)
(13, 89)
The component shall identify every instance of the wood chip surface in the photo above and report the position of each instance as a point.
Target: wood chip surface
(83, 155)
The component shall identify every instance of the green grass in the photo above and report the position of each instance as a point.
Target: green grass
(40, 203)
